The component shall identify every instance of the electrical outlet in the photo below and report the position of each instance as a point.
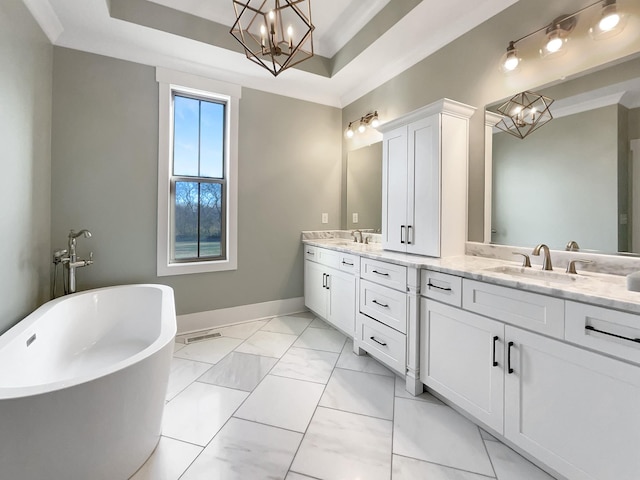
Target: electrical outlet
(325, 218)
(354, 218)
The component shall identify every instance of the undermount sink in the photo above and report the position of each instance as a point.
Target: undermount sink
(535, 274)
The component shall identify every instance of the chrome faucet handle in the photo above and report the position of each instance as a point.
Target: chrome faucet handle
(526, 261)
(571, 267)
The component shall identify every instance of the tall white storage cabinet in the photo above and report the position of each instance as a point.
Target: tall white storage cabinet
(424, 180)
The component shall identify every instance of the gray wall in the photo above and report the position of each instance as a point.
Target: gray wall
(466, 70)
(25, 127)
(551, 188)
(105, 141)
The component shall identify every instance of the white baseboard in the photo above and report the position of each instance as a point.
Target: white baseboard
(193, 322)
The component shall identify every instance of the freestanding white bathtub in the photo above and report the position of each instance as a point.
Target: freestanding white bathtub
(83, 381)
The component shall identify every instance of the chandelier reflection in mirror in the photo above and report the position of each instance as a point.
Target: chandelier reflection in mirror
(275, 34)
(524, 113)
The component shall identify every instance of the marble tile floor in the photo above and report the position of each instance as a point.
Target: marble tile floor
(287, 398)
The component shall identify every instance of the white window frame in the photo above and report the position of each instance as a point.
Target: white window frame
(170, 81)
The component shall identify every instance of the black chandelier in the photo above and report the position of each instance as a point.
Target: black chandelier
(275, 34)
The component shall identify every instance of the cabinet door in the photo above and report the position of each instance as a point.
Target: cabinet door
(342, 301)
(423, 187)
(576, 411)
(461, 357)
(394, 189)
(315, 293)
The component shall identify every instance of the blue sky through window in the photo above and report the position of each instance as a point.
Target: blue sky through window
(198, 138)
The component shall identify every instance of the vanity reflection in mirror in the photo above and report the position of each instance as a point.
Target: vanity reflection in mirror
(577, 178)
(364, 188)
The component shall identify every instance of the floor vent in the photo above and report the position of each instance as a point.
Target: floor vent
(198, 337)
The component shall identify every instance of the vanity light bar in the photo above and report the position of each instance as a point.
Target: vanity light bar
(610, 22)
(361, 124)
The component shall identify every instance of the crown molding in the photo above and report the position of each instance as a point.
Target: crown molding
(46, 17)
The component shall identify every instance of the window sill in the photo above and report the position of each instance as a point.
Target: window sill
(165, 270)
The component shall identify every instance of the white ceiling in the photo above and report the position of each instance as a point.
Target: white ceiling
(86, 25)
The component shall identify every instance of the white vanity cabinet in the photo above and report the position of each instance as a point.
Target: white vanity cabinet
(462, 358)
(382, 318)
(575, 410)
(330, 286)
(424, 180)
(505, 357)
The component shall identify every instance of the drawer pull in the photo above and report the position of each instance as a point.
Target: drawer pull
(310, 253)
(378, 303)
(378, 341)
(347, 263)
(509, 369)
(380, 273)
(589, 327)
(495, 340)
(446, 289)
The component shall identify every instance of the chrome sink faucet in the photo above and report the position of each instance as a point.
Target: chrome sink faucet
(354, 234)
(546, 259)
(70, 261)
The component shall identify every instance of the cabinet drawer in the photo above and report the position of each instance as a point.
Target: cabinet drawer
(384, 344)
(310, 253)
(327, 257)
(524, 309)
(384, 304)
(387, 274)
(348, 262)
(442, 287)
(609, 331)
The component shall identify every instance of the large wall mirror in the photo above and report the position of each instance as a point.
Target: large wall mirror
(577, 178)
(364, 188)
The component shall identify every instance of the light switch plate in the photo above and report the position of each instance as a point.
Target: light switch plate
(325, 218)
(354, 218)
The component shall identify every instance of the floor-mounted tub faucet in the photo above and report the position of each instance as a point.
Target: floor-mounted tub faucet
(70, 261)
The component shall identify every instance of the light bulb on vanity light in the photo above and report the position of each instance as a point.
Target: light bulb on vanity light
(375, 123)
(362, 127)
(611, 21)
(510, 60)
(349, 133)
(557, 35)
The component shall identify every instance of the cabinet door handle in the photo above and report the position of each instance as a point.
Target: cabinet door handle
(409, 234)
(378, 341)
(378, 303)
(495, 340)
(347, 263)
(380, 273)
(324, 280)
(509, 369)
(328, 286)
(431, 285)
(401, 233)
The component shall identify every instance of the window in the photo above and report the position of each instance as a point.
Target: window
(197, 165)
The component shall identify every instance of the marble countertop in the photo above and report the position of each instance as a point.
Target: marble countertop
(600, 289)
